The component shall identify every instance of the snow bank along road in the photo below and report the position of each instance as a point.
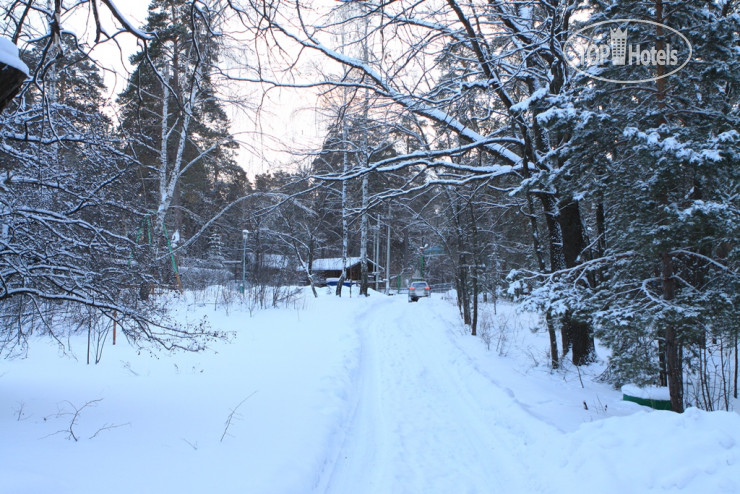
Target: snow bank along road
(429, 414)
(423, 419)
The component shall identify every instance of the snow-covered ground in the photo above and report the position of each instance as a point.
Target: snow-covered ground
(345, 396)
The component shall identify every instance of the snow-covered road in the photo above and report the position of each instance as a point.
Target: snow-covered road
(423, 418)
(344, 396)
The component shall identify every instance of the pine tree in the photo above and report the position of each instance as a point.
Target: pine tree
(177, 126)
(659, 162)
(66, 209)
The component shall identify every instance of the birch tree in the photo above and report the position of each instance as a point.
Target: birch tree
(66, 210)
(171, 113)
(508, 58)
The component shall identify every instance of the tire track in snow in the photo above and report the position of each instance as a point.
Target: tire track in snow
(424, 420)
(358, 448)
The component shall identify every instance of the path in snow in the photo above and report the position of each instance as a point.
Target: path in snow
(344, 396)
(424, 420)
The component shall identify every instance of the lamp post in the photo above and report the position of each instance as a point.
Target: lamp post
(388, 258)
(245, 235)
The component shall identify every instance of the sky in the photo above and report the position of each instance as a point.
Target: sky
(289, 124)
(287, 119)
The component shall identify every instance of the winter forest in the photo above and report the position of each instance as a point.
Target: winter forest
(456, 144)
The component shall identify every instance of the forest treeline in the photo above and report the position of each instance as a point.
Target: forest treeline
(461, 142)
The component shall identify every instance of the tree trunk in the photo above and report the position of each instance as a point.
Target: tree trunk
(566, 338)
(577, 332)
(674, 365)
(474, 260)
(600, 229)
(459, 290)
(582, 342)
(734, 384)
(549, 206)
(365, 150)
(340, 283)
(554, 356)
(474, 321)
(557, 261)
(734, 381)
(345, 206)
(363, 238)
(554, 361)
(662, 365)
(466, 304)
(463, 294)
(535, 234)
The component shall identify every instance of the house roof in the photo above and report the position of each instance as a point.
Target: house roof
(335, 263)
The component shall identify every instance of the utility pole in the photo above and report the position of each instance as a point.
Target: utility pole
(245, 235)
(377, 253)
(388, 253)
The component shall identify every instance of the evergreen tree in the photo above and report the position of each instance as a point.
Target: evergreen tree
(659, 162)
(177, 126)
(66, 210)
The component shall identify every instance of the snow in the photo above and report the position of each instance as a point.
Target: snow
(125, 22)
(175, 239)
(729, 136)
(646, 392)
(556, 113)
(9, 55)
(711, 155)
(523, 105)
(335, 263)
(338, 395)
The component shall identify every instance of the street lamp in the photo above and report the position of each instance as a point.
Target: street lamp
(245, 235)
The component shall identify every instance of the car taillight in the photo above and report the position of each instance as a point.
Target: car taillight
(427, 288)
(411, 288)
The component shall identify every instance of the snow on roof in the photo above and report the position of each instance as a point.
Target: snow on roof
(335, 263)
(9, 55)
(647, 392)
